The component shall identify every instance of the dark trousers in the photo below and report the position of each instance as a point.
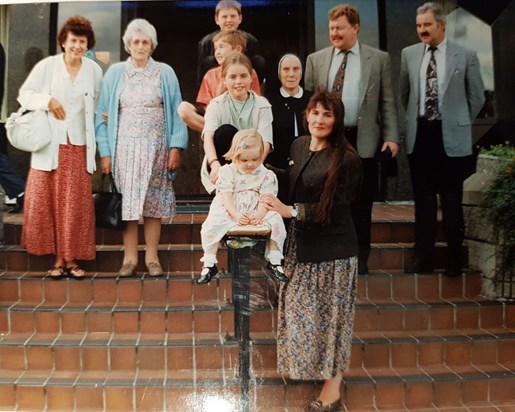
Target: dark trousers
(433, 172)
(362, 207)
(11, 182)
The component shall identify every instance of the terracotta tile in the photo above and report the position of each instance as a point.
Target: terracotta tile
(447, 393)
(452, 287)
(390, 320)
(206, 321)
(121, 358)
(149, 399)
(474, 390)
(391, 258)
(179, 322)
(379, 288)
(361, 395)
(299, 395)
(118, 399)
(125, 322)
(484, 352)
(417, 319)
(99, 321)
(467, 317)
(153, 322)
(357, 352)
(12, 357)
(56, 293)
(374, 258)
(67, 359)
(80, 291)
(151, 358)
(418, 395)
(208, 357)
(207, 292)
(491, 316)
(129, 291)
(403, 287)
(104, 291)
(179, 358)
(94, 358)
(73, 322)
(264, 356)
(262, 321)
(427, 287)
(154, 290)
(389, 395)
(40, 357)
(60, 398)
(403, 232)
(506, 351)
(404, 355)
(181, 234)
(32, 291)
(442, 318)
(7, 397)
(180, 291)
(47, 322)
(9, 292)
(21, 321)
(268, 397)
(16, 260)
(510, 316)
(366, 320)
(227, 322)
(457, 353)
(4, 321)
(179, 399)
(30, 397)
(376, 356)
(502, 389)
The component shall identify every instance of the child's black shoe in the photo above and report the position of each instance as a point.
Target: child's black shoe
(207, 274)
(277, 272)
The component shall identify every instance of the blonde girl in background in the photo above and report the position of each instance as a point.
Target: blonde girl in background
(239, 187)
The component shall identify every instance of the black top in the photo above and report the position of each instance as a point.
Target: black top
(286, 111)
(2, 74)
(307, 173)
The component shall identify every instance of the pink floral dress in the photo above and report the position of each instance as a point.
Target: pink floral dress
(142, 148)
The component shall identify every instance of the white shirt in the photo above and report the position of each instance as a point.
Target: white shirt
(75, 121)
(298, 95)
(440, 52)
(350, 92)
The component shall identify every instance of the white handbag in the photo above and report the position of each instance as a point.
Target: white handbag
(28, 130)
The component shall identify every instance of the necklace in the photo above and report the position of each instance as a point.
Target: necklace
(237, 113)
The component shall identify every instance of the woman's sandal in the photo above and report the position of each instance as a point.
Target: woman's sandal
(76, 272)
(57, 272)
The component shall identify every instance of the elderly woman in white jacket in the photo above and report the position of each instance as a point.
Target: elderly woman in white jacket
(59, 212)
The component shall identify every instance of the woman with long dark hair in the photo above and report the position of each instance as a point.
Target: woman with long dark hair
(316, 307)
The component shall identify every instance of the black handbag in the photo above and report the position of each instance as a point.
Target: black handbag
(108, 205)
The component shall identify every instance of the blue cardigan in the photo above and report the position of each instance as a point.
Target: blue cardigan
(112, 87)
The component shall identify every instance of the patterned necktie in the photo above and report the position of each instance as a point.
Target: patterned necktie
(337, 88)
(431, 103)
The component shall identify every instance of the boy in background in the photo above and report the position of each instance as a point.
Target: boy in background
(228, 16)
(226, 43)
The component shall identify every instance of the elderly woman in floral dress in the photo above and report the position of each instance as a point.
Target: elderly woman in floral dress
(140, 138)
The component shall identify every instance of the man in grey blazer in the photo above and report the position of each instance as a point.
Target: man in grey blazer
(370, 111)
(442, 93)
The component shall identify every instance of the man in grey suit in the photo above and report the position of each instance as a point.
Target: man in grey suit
(442, 93)
(361, 75)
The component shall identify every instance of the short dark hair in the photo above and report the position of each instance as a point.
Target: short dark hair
(80, 26)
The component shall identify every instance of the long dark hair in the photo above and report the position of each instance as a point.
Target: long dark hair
(339, 146)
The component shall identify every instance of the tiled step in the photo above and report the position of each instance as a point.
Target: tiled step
(183, 257)
(146, 351)
(415, 388)
(130, 316)
(37, 288)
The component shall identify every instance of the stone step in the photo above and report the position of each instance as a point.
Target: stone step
(37, 288)
(427, 388)
(107, 351)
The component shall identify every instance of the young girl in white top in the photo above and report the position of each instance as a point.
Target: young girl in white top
(239, 187)
(237, 109)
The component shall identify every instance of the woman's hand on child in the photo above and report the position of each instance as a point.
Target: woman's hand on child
(213, 175)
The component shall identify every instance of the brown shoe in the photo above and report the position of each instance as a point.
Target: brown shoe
(128, 269)
(155, 269)
(318, 406)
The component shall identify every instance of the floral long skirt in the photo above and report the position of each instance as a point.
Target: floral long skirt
(316, 317)
(59, 216)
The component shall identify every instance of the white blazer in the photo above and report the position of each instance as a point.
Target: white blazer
(45, 82)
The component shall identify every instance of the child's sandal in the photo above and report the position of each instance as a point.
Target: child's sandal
(77, 272)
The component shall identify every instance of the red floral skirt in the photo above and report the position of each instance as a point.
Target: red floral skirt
(58, 210)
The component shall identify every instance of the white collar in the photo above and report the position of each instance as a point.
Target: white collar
(284, 93)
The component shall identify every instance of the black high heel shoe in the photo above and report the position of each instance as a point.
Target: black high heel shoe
(277, 272)
(207, 274)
